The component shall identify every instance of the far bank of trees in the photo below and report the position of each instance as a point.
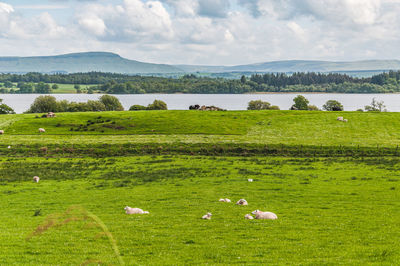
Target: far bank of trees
(111, 83)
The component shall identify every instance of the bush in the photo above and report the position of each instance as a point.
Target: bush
(137, 107)
(333, 105)
(111, 103)
(260, 105)
(376, 106)
(157, 105)
(312, 108)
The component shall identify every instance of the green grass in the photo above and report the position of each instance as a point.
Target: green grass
(331, 211)
(68, 88)
(262, 127)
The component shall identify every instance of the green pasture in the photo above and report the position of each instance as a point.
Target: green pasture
(331, 211)
(263, 127)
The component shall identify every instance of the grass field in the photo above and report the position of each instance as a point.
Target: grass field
(332, 210)
(265, 127)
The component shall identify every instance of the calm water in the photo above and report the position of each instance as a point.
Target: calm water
(20, 103)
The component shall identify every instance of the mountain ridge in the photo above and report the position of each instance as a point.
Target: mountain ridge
(114, 63)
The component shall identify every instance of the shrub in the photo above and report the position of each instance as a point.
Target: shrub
(312, 108)
(157, 105)
(376, 106)
(137, 107)
(260, 105)
(333, 105)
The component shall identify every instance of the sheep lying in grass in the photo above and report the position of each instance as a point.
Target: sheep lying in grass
(250, 180)
(130, 210)
(224, 200)
(36, 179)
(345, 120)
(41, 130)
(248, 217)
(340, 118)
(265, 215)
(207, 216)
(1, 132)
(242, 202)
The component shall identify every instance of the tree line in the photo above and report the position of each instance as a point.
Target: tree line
(112, 83)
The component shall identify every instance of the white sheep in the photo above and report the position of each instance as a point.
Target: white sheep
(36, 179)
(345, 120)
(340, 118)
(242, 202)
(224, 200)
(207, 216)
(41, 130)
(250, 180)
(265, 215)
(1, 132)
(248, 217)
(129, 210)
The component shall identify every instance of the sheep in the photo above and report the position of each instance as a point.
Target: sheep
(248, 217)
(340, 118)
(207, 216)
(265, 215)
(1, 132)
(242, 202)
(129, 210)
(36, 179)
(224, 200)
(250, 180)
(9, 147)
(41, 130)
(345, 120)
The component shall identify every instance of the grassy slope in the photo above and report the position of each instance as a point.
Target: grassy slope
(269, 127)
(330, 211)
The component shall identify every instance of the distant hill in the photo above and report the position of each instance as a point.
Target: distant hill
(81, 62)
(110, 62)
(288, 66)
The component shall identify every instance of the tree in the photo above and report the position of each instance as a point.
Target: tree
(243, 79)
(376, 106)
(54, 87)
(333, 105)
(5, 109)
(300, 103)
(42, 87)
(8, 84)
(111, 103)
(260, 105)
(25, 87)
(157, 105)
(96, 106)
(44, 104)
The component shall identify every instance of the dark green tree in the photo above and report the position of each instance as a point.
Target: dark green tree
(5, 109)
(111, 103)
(300, 103)
(44, 104)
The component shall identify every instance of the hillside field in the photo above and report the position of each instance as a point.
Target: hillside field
(339, 208)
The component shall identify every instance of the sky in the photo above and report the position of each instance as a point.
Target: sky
(204, 32)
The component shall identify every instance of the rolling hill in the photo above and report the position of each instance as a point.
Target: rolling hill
(110, 62)
(81, 62)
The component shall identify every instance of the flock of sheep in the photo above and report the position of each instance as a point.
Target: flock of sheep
(258, 214)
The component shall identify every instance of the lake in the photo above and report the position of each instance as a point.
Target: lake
(351, 102)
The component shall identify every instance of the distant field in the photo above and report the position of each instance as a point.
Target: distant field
(331, 211)
(264, 127)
